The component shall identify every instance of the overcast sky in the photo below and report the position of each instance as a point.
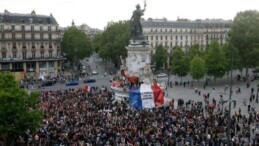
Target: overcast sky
(97, 13)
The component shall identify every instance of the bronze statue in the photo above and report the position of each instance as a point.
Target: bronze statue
(136, 27)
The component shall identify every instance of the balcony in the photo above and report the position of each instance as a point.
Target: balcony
(29, 59)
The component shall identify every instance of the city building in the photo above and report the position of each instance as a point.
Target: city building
(184, 33)
(89, 31)
(30, 45)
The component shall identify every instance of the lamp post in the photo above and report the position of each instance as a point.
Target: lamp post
(257, 92)
(229, 103)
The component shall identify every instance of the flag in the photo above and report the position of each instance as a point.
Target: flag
(134, 98)
(87, 88)
(158, 94)
(147, 96)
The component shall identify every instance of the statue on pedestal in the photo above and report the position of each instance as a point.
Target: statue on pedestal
(136, 27)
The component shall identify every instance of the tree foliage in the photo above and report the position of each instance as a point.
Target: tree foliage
(179, 62)
(232, 54)
(18, 110)
(76, 44)
(113, 41)
(195, 50)
(244, 35)
(216, 61)
(160, 57)
(197, 68)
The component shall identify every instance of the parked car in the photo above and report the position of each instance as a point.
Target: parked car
(71, 83)
(89, 80)
(48, 83)
(94, 72)
(160, 75)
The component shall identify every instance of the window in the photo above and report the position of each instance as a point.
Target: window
(33, 45)
(3, 36)
(49, 28)
(161, 37)
(13, 27)
(33, 55)
(13, 36)
(171, 37)
(151, 37)
(41, 36)
(23, 36)
(32, 36)
(22, 27)
(181, 37)
(23, 55)
(171, 44)
(23, 45)
(50, 54)
(14, 45)
(49, 36)
(3, 55)
(161, 30)
(41, 54)
(56, 28)
(151, 30)
(50, 45)
(146, 37)
(156, 37)
(2, 28)
(176, 37)
(41, 28)
(165, 37)
(32, 28)
(156, 30)
(41, 45)
(14, 54)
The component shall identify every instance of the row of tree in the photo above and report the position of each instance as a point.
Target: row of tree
(198, 62)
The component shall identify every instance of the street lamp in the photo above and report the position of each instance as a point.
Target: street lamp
(229, 102)
(257, 92)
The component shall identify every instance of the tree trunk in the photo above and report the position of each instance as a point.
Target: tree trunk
(247, 73)
(4, 137)
(181, 79)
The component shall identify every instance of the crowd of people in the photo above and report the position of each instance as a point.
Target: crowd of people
(79, 118)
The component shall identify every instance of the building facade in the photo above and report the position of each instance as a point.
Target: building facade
(30, 45)
(184, 33)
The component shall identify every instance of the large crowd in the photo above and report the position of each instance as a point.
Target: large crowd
(73, 117)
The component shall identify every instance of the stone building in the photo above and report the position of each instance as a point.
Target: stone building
(30, 45)
(184, 33)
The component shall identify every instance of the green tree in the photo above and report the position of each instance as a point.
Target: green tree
(244, 36)
(216, 61)
(96, 42)
(113, 41)
(160, 57)
(179, 63)
(76, 45)
(18, 110)
(197, 68)
(232, 54)
(195, 50)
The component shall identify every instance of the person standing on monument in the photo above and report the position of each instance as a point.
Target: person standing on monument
(136, 27)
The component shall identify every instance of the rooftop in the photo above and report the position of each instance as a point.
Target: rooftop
(31, 18)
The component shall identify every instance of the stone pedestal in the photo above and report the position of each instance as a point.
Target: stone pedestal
(138, 62)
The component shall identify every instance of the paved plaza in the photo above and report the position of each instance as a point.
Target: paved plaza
(188, 92)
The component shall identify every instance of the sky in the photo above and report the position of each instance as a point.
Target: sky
(97, 13)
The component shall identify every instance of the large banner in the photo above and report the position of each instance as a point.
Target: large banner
(134, 98)
(147, 96)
